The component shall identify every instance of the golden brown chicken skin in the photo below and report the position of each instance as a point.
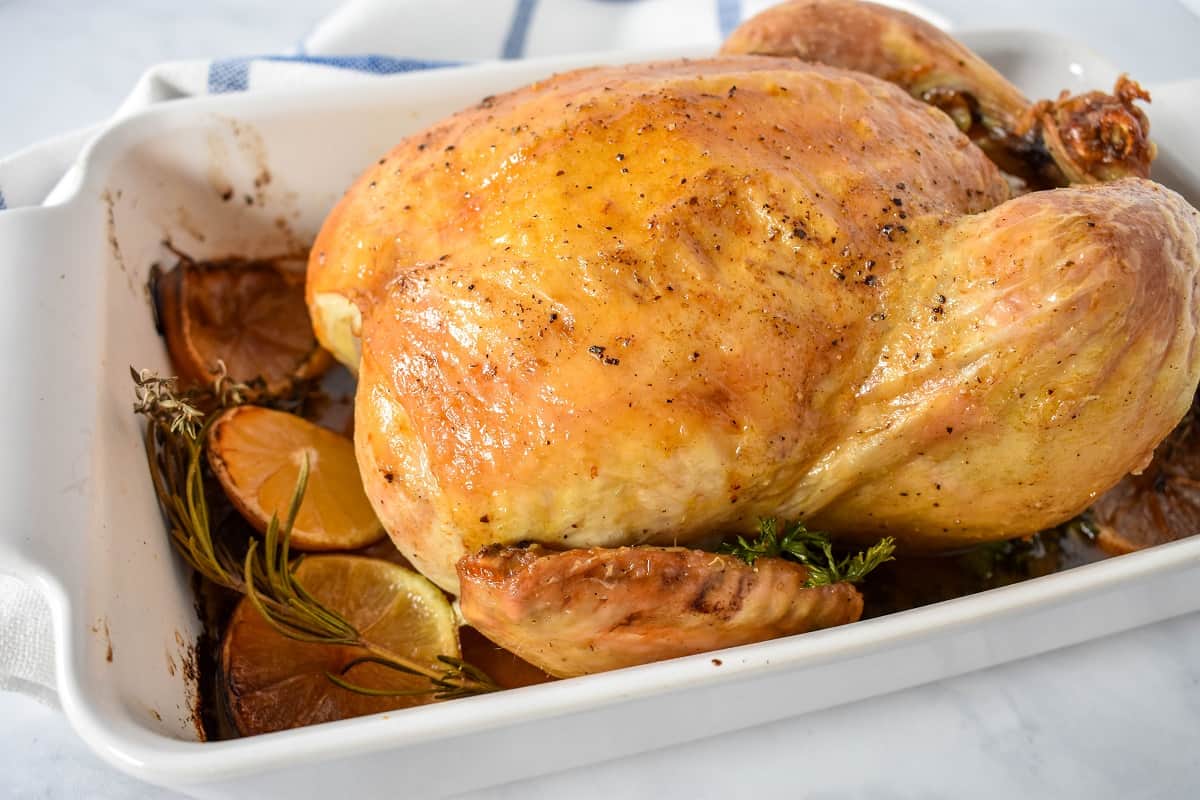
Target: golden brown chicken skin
(646, 304)
(1087, 138)
(583, 611)
(1033, 355)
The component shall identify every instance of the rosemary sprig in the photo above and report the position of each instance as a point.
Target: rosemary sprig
(813, 549)
(175, 435)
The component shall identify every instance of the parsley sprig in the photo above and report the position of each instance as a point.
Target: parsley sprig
(813, 549)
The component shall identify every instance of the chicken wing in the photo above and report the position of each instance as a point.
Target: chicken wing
(1087, 138)
(584, 611)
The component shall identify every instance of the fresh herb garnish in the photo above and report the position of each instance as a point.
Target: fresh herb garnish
(175, 434)
(813, 549)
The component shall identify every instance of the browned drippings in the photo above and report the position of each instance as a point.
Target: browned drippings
(1160, 505)
(506, 669)
(914, 581)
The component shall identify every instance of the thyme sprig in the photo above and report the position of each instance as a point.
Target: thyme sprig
(813, 549)
(177, 426)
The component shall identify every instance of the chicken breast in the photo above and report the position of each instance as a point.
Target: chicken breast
(584, 611)
(652, 303)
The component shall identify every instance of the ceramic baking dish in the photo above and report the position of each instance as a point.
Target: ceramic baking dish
(253, 175)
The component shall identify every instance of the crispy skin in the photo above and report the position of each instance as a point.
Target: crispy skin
(1088, 138)
(905, 50)
(881, 41)
(645, 304)
(583, 611)
(1064, 351)
(555, 380)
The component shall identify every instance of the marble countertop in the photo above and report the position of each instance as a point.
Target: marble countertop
(1118, 717)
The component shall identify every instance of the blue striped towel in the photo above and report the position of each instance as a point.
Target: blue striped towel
(366, 38)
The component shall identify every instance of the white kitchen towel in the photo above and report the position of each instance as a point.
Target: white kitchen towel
(26, 649)
(362, 39)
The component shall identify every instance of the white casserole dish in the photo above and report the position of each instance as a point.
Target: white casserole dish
(78, 516)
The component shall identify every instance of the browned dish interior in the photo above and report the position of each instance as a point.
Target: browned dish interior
(1162, 504)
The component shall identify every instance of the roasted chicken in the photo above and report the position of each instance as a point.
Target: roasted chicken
(652, 304)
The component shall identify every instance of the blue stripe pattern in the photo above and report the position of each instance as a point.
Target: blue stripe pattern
(514, 43)
(233, 74)
(729, 14)
(229, 75)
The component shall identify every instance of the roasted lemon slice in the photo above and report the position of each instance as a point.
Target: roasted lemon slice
(250, 315)
(256, 454)
(274, 683)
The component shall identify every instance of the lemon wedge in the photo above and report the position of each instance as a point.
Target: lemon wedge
(274, 683)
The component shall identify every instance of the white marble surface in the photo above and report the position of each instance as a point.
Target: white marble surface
(68, 63)
(1119, 717)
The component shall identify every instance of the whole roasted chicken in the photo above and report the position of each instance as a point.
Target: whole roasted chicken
(652, 304)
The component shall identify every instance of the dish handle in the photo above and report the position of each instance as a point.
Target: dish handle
(49, 353)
